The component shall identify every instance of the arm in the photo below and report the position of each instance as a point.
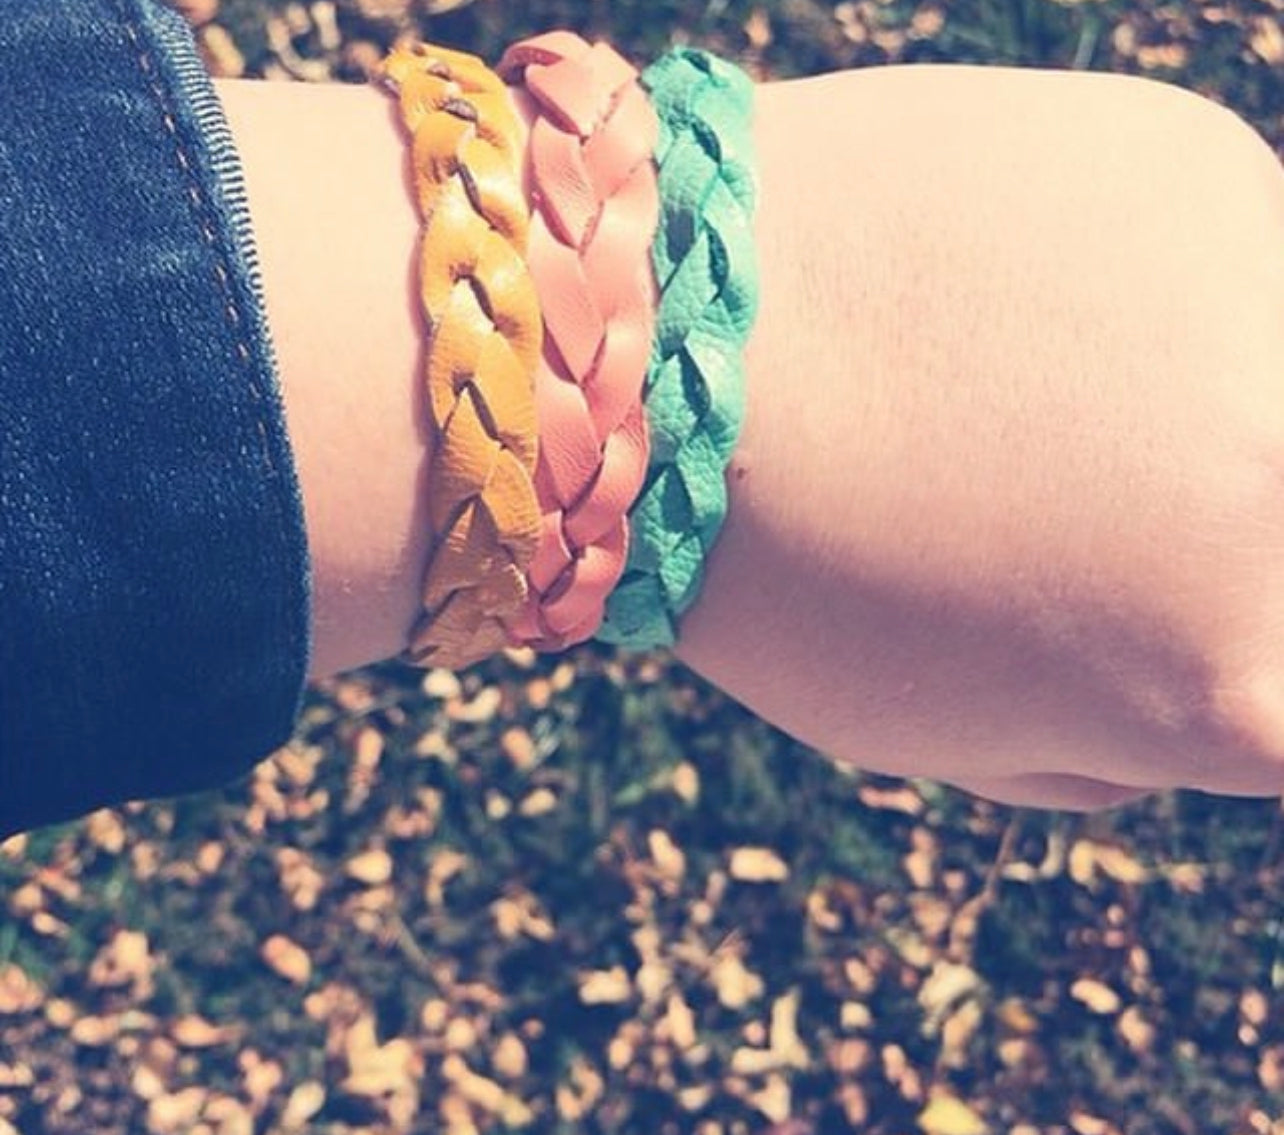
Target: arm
(1019, 358)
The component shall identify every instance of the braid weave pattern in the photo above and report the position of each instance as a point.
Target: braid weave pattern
(484, 342)
(705, 266)
(593, 186)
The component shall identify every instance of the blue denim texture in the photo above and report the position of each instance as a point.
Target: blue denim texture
(155, 584)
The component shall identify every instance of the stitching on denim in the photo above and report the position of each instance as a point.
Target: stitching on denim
(203, 211)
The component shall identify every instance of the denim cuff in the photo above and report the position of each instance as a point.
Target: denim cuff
(155, 582)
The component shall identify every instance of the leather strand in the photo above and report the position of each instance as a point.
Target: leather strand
(705, 266)
(592, 181)
(483, 344)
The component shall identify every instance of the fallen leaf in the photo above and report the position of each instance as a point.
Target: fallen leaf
(735, 985)
(757, 865)
(774, 1099)
(519, 747)
(1138, 1033)
(18, 992)
(904, 799)
(95, 1032)
(666, 854)
(947, 983)
(605, 987)
(373, 867)
(685, 782)
(509, 1057)
(957, 1032)
(681, 1022)
(194, 1031)
(785, 1042)
(175, 1114)
(1096, 995)
(287, 959)
(945, 1115)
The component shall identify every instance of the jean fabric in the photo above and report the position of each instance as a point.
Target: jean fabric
(155, 585)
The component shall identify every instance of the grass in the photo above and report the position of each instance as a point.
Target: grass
(591, 894)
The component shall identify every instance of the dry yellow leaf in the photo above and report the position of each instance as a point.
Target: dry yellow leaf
(1270, 1068)
(1096, 995)
(605, 987)
(260, 1078)
(774, 1099)
(680, 1021)
(653, 979)
(920, 862)
(620, 1053)
(854, 1103)
(957, 1032)
(60, 1013)
(519, 747)
(666, 854)
(931, 913)
(946, 1115)
(287, 959)
(538, 803)
(481, 709)
(509, 1058)
(95, 1032)
(947, 983)
(1186, 878)
(686, 782)
(904, 799)
(18, 993)
(194, 1031)
(16, 1076)
(757, 865)
(1254, 1007)
(146, 1083)
(696, 1097)
(210, 856)
(853, 1015)
(372, 867)
(735, 985)
(1084, 1124)
(1138, 1033)
(1082, 862)
(226, 1115)
(1014, 1051)
(478, 1090)
(1119, 865)
(177, 1113)
(747, 1061)
(860, 976)
(1013, 1013)
(460, 1035)
(106, 831)
(1267, 39)
(445, 864)
(850, 1056)
(785, 1042)
(125, 960)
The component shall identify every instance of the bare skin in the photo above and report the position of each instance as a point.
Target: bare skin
(1007, 511)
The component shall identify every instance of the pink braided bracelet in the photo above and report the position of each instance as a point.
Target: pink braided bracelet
(596, 208)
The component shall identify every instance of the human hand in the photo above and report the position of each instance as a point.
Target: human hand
(1009, 507)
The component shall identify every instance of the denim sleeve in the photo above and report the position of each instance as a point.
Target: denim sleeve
(155, 585)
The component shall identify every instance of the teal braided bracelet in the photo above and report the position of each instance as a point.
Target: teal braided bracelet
(706, 272)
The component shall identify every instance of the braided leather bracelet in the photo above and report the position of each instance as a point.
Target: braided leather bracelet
(705, 266)
(593, 186)
(484, 340)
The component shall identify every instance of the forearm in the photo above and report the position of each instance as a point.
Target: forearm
(919, 227)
